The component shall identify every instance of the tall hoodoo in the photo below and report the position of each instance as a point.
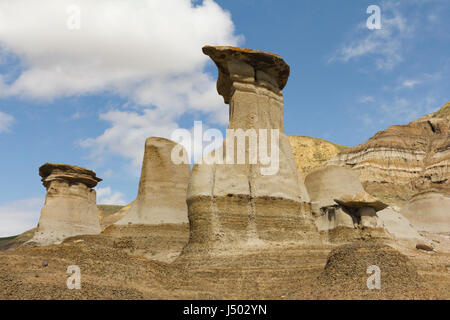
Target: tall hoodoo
(249, 202)
(70, 205)
(162, 188)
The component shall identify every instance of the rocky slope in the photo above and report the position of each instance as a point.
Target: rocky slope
(312, 153)
(113, 266)
(107, 214)
(404, 159)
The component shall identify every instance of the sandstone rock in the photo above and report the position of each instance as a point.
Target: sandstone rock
(331, 182)
(162, 188)
(70, 205)
(423, 246)
(242, 204)
(398, 225)
(361, 200)
(429, 211)
(271, 67)
(72, 174)
(405, 159)
(339, 200)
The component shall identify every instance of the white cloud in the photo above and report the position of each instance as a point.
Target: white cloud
(128, 131)
(119, 45)
(146, 51)
(108, 173)
(76, 116)
(6, 121)
(366, 99)
(385, 45)
(410, 83)
(19, 216)
(403, 110)
(366, 119)
(108, 196)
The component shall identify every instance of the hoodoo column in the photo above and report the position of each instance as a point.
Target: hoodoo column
(254, 194)
(70, 204)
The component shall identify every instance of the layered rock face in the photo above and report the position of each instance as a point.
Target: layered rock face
(338, 199)
(70, 205)
(249, 203)
(162, 188)
(429, 211)
(405, 159)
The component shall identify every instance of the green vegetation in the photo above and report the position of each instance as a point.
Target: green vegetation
(443, 112)
(107, 210)
(317, 141)
(15, 241)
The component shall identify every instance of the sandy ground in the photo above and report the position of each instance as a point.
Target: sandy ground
(137, 262)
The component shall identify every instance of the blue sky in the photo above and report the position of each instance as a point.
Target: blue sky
(90, 96)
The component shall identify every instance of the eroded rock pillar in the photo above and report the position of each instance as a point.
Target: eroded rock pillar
(249, 203)
(70, 205)
(161, 197)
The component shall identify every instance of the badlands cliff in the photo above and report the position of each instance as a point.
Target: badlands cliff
(403, 160)
(162, 188)
(254, 232)
(339, 200)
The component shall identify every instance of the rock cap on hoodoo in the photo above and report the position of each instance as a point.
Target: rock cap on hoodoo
(66, 172)
(269, 63)
(360, 200)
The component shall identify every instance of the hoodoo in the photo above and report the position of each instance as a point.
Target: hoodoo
(339, 199)
(161, 197)
(70, 205)
(250, 193)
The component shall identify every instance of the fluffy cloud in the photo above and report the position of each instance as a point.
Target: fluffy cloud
(119, 44)
(407, 109)
(108, 196)
(19, 216)
(385, 45)
(128, 132)
(410, 83)
(6, 121)
(366, 99)
(146, 51)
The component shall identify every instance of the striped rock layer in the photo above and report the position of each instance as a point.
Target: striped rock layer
(70, 204)
(404, 159)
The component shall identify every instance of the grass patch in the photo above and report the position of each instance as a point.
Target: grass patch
(107, 210)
